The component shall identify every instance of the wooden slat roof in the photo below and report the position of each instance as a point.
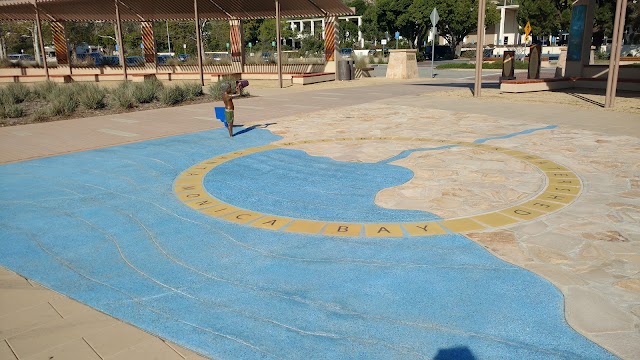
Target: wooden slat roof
(149, 10)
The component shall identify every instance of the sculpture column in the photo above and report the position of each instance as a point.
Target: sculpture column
(237, 42)
(330, 38)
(60, 43)
(148, 42)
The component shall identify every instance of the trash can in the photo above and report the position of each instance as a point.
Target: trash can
(344, 69)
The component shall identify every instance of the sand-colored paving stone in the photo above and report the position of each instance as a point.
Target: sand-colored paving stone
(588, 249)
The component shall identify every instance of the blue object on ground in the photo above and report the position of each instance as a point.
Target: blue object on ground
(220, 115)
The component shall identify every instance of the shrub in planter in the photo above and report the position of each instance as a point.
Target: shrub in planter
(172, 95)
(63, 103)
(191, 91)
(44, 90)
(123, 96)
(147, 91)
(40, 115)
(216, 89)
(13, 111)
(16, 93)
(91, 96)
(5, 63)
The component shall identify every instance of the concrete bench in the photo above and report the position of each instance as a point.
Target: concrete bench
(364, 72)
(305, 79)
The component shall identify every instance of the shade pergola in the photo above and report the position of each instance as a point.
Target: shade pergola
(156, 10)
(161, 10)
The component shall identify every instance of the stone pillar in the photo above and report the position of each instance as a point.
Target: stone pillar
(60, 43)
(148, 42)
(580, 37)
(237, 42)
(402, 64)
(330, 38)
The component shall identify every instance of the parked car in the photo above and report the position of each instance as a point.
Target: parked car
(110, 60)
(162, 59)
(134, 60)
(372, 52)
(221, 57)
(16, 58)
(183, 57)
(94, 57)
(267, 57)
(442, 52)
(346, 53)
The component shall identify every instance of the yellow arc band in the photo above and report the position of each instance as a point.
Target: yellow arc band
(562, 188)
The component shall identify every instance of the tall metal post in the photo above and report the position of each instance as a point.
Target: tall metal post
(168, 37)
(199, 42)
(278, 49)
(123, 63)
(41, 40)
(433, 49)
(479, 48)
(614, 58)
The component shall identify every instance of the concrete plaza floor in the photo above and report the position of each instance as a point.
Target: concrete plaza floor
(391, 219)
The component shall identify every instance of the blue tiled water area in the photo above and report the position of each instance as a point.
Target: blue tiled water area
(291, 183)
(105, 228)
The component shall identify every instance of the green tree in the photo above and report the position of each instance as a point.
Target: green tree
(459, 18)
(393, 15)
(311, 44)
(371, 29)
(420, 13)
(603, 21)
(347, 33)
(633, 20)
(543, 15)
(360, 5)
(267, 33)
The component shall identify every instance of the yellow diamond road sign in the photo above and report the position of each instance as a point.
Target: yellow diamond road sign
(527, 29)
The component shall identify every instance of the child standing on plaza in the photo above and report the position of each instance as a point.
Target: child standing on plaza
(227, 98)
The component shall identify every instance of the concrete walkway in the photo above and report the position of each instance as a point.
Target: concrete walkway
(590, 249)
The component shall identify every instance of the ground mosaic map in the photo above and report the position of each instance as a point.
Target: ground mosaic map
(272, 252)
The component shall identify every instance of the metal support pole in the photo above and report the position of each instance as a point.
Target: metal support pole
(123, 63)
(168, 37)
(199, 42)
(278, 49)
(479, 48)
(41, 40)
(433, 49)
(614, 58)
